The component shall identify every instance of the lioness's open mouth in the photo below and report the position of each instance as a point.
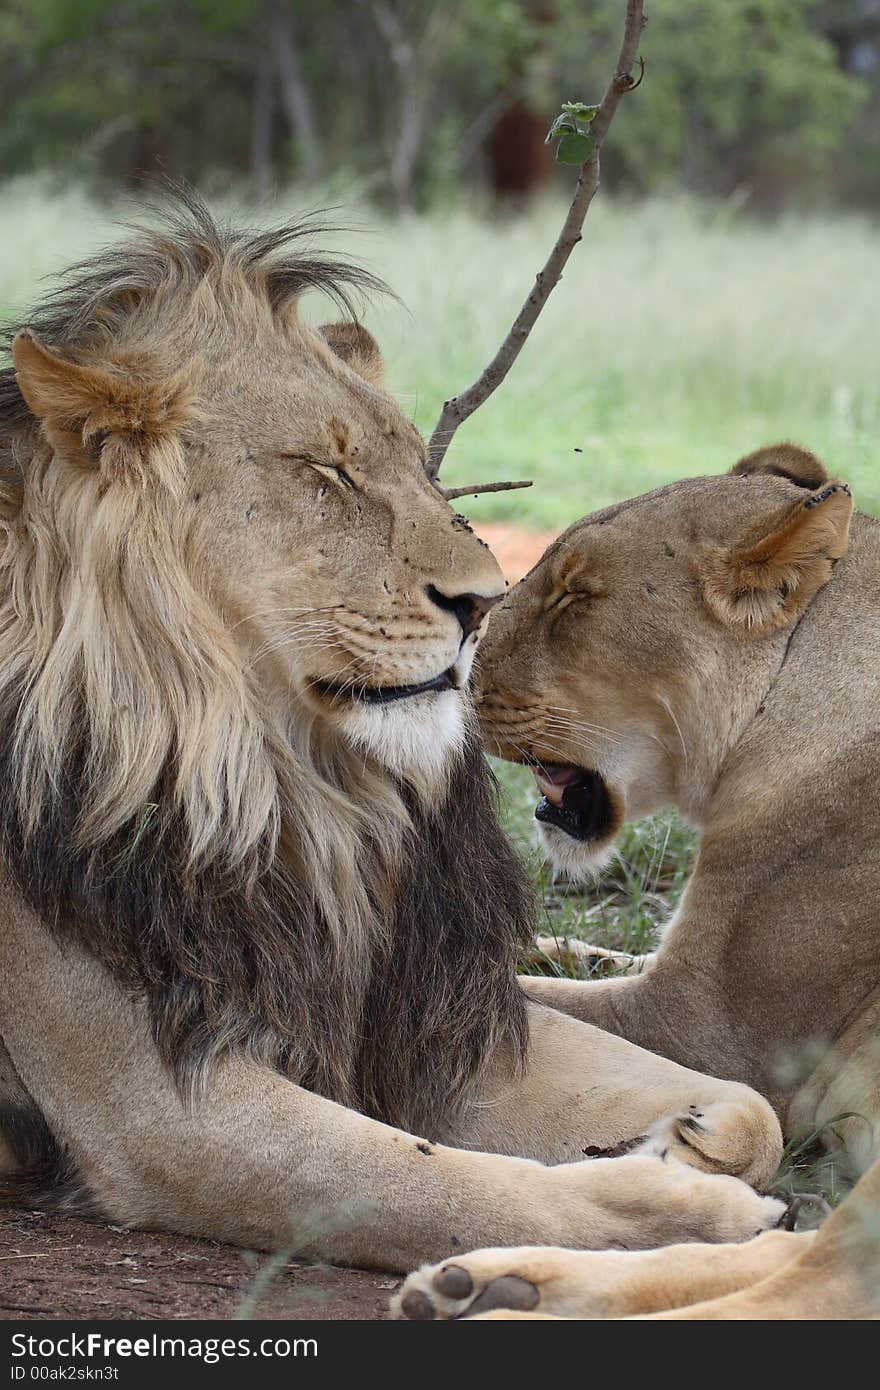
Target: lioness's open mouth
(575, 800)
(385, 694)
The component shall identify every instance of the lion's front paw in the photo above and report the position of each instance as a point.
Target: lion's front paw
(740, 1137)
(530, 1279)
(738, 1213)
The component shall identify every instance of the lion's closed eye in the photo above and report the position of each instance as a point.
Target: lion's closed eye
(335, 471)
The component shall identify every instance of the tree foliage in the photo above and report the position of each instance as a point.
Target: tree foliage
(775, 97)
(740, 94)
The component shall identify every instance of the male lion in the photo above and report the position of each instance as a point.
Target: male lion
(259, 924)
(716, 645)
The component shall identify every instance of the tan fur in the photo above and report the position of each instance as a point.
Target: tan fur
(715, 645)
(358, 348)
(218, 533)
(116, 420)
(768, 581)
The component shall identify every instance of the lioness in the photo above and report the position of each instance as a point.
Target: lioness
(716, 645)
(258, 924)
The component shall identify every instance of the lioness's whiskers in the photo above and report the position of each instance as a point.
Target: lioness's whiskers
(586, 732)
(671, 712)
(557, 721)
(579, 721)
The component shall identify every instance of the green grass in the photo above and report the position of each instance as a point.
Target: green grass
(682, 336)
(630, 901)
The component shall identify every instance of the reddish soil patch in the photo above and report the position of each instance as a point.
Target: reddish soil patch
(515, 549)
(56, 1267)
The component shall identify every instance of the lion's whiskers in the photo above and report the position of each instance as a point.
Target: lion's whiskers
(275, 612)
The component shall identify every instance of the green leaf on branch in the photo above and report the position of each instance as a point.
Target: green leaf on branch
(572, 129)
(575, 149)
(580, 110)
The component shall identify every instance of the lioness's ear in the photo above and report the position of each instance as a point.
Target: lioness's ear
(95, 417)
(357, 347)
(767, 580)
(785, 461)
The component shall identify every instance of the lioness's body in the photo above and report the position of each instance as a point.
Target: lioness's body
(258, 924)
(716, 645)
(774, 953)
(770, 743)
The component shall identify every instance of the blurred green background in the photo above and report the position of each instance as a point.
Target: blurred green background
(772, 100)
(728, 289)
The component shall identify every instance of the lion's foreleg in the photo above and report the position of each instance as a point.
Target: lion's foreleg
(255, 1160)
(585, 1092)
(252, 1159)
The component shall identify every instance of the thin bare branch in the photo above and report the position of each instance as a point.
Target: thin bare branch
(457, 409)
(450, 492)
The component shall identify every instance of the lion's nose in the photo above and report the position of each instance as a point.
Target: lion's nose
(469, 609)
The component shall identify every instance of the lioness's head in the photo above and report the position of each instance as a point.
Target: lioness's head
(182, 392)
(626, 664)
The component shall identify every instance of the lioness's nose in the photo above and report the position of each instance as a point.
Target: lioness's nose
(470, 609)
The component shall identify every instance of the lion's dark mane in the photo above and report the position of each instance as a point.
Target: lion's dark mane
(228, 966)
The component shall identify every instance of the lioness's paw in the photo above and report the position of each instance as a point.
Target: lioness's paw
(573, 953)
(530, 1279)
(693, 1136)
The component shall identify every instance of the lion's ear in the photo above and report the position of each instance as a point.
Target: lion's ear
(97, 417)
(766, 581)
(785, 461)
(357, 348)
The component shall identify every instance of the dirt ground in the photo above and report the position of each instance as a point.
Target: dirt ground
(56, 1267)
(516, 550)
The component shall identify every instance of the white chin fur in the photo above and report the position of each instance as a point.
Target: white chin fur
(576, 859)
(418, 735)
